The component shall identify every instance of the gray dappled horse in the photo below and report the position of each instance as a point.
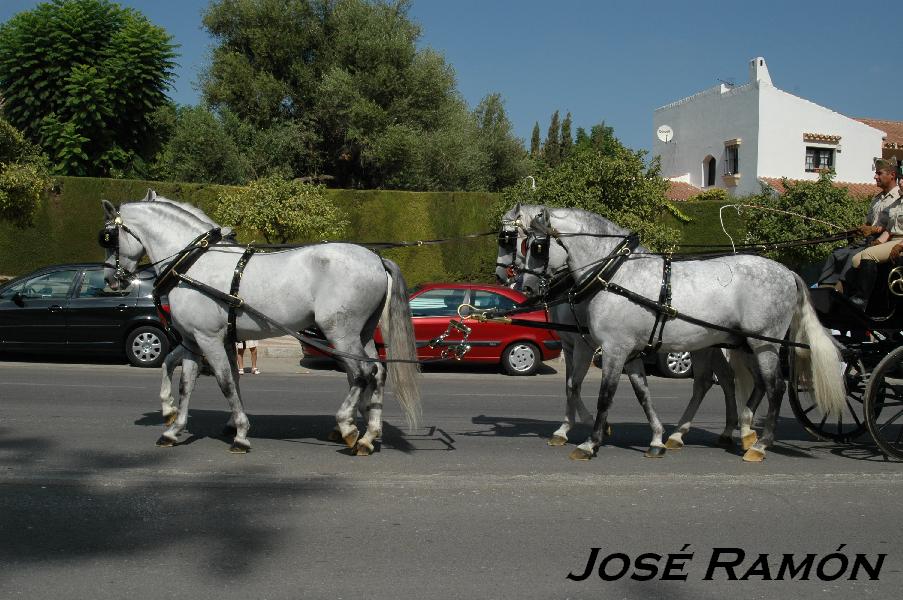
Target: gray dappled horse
(342, 288)
(748, 293)
(578, 352)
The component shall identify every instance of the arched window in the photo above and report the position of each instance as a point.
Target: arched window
(709, 168)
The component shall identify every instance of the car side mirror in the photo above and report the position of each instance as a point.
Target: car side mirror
(19, 299)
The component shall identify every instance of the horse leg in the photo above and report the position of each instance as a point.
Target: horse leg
(770, 371)
(360, 377)
(221, 357)
(747, 371)
(371, 404)
(168, 408)
(725, 376)
(702, 382)
(636, 373)
(611, 371)
(190, 368)
(577, 358)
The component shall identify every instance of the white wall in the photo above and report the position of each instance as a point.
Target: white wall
(782, 151)
(770, 124)
(701, 124)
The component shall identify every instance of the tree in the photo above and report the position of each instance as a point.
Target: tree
(81, 78)
(505, 152)
(567, 142)
(816, 209)
(620, 186)
(23, 177)
(282, 210)
(348, 76)
(551, 149)
(535, 144)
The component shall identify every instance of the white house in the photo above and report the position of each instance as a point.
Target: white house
(731, 136)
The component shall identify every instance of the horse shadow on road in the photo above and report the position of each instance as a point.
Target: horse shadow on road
(636, 435)
(300, 428)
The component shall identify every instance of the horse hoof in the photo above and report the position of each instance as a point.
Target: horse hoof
(334, 436)
(558, 440)
(754, 455)
(655, 452)
(165, 442)
(240, 447)
(363, 449)
(351, 438)
(725, 441)
(170, 419)
(580, 454)
(749, 440)
(673, 444)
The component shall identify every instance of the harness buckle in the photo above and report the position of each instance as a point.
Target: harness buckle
(669, 311)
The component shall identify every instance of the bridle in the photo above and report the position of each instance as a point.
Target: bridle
(108, 238)
(507, 239)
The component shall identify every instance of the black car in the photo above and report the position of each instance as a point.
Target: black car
(70, 309)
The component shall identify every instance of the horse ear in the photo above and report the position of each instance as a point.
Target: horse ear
(109, 211)
(151, 196)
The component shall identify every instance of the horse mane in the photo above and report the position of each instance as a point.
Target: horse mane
(189, 208)
(591, 222)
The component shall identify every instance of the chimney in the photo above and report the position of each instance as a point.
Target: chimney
(758, 71)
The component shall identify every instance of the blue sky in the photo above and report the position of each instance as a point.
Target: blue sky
(618, 61)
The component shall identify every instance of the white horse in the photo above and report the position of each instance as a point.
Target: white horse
(578, 352)
(750, 294)
(342, 288)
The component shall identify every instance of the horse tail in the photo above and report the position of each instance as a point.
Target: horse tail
(822, 361)
(398, 335)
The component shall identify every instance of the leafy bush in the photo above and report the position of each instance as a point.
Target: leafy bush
(23, 177)
(807, 209)
(282, 210)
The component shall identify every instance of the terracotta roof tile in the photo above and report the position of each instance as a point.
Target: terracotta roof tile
(679, 191)
(858, 190)
(893, 129)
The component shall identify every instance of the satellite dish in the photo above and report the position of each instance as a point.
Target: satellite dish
(665, 133)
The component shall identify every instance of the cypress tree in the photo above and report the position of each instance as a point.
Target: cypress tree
(567, 142)
(535, 147)
(551, 150)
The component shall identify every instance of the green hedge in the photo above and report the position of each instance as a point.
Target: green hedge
(68, 221)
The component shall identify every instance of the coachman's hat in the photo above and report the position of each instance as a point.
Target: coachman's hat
(884, 164)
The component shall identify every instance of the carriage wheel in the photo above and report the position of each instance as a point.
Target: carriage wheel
(843, 428)
(884, 404)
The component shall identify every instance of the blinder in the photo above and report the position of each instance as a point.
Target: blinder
(108, 237)
(539, 248)
(508, 240)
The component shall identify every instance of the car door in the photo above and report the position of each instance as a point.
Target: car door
(430, 313)
(486, 339)
(97, 315)
(34, 313)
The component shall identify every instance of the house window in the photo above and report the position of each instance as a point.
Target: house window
(732, 160)
(819, 159)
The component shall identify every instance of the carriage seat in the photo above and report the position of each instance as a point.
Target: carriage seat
(836, 311)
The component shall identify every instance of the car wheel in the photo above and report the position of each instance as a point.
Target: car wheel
(521, 358)
(675, 364)
(146, 346)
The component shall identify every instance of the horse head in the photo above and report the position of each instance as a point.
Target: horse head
(542, 257)
(123, 249)
(511, 247)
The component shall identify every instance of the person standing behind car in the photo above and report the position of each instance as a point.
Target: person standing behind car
(240, 348)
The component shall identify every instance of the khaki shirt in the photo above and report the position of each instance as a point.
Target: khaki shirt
(879, 204)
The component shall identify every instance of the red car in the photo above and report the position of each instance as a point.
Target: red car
(520, 350)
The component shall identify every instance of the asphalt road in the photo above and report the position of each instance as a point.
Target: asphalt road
(474, 504)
